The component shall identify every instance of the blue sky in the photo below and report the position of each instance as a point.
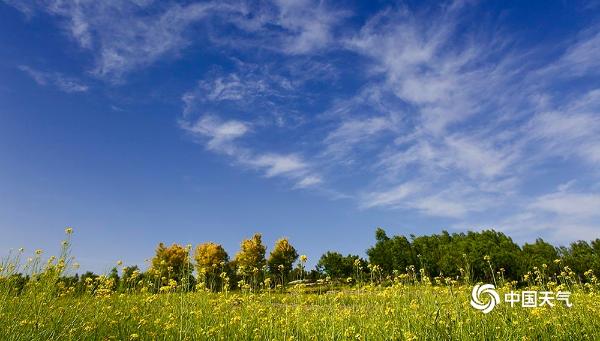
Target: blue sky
(144, 121)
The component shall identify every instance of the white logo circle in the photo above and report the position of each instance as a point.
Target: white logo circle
(487, 289)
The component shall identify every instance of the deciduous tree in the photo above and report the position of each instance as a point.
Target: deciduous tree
(172, 262)
(282, 258)
(251, 256)
(211, 261)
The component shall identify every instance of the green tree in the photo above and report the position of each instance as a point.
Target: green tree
(391, 253)
(439, 254)
(504, 255)
(538, 254)
(580, 257)
(334, 265)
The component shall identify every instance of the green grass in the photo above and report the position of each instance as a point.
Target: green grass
(391, 313)
(405, 307)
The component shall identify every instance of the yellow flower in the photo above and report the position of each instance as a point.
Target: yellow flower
(303, 258)
(38, 252)
(69, 230)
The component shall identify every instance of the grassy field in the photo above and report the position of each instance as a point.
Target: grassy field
(404, 307)
(391, 313)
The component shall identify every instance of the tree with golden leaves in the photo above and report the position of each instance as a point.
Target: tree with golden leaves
(171, 262)
(211, 262)
(251, 257)
(282, 258)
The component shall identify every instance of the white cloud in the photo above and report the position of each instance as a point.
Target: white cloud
(130, 35)
(570, 130)
(26, 7)
(263, 92)
(343, 139)
(221, 135)
(391, 198)
(560, 216)
(309, 181)
(275, 165)
(452, 201)
(477, 156)
(424, 65)
(577, 205)
(309, 24)
(581, 57)
(564, 125)
(441, 207)
(60, 81)
(127, 40)
(127, 35)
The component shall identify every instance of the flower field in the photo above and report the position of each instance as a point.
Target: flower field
(406, 306)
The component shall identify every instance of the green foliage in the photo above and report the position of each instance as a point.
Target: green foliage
(538, 254)
(581, 256)
(334, 265)
(472, 254)
(390, 254)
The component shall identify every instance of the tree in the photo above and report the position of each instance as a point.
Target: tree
(282, 258)
(504, 255)
(436, 255)
(251, 257)
(538, 253)
(171, 262)
(479, 254)
(580, 257)
(334, 265)
(391, 253)
(211, 261)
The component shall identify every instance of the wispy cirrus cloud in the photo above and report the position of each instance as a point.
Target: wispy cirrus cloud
(571, 129)
(454, 201)
(562, 214)
(221, 135)
(125, 36)
(445, 124)
(580, 205)
(224, 137)
(56, 79)
(474, 126)
(309, 25)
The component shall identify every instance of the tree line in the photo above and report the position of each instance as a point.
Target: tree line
(472, 256)
(468, 257)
